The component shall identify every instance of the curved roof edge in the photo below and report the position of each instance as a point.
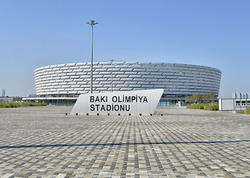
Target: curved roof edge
(125, 62)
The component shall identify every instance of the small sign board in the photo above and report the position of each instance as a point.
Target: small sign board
(118, 102)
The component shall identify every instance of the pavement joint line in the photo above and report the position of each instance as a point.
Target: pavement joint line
(116, 144)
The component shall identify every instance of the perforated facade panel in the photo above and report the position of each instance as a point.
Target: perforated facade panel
(177, 80)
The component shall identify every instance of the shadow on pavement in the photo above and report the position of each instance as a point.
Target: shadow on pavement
(117, 144)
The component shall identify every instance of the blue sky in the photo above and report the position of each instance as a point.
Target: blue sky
(214, 33)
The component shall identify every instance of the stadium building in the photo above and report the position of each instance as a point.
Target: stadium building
(67, 81)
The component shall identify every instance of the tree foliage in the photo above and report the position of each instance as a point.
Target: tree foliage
(197, 98)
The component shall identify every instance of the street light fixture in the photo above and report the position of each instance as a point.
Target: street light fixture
(92, 23)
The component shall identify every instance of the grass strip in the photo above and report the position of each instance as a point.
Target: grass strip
(205, 106)
(24, 104)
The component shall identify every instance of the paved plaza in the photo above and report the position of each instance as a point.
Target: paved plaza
(43, 142)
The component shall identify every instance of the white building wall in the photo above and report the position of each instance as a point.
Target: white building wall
(176, 79)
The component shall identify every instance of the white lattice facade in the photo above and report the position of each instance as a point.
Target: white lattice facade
(177, 80)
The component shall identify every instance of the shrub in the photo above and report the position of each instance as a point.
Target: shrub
(33, 104)
(247, 111)
(25, 104)
(9, 105)
(196, 106)
(212, 107)
(207, 106)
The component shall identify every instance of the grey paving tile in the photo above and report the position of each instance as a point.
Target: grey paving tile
(43, 142)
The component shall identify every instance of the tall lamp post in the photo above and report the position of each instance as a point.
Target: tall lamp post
(112, 60)
(92, 23)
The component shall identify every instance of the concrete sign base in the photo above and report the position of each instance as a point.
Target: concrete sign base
(118, 103)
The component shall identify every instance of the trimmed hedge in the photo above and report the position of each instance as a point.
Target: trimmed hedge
(205, 106)
(15, 105)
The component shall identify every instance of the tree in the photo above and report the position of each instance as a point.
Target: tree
(188, 99)
(205, 98)
(197, 98)
(211, 96)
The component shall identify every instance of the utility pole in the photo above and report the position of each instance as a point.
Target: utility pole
(92, 23)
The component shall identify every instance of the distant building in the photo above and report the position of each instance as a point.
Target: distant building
(6, 99)
(238, 102)
(239, 95)
(3, 93)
